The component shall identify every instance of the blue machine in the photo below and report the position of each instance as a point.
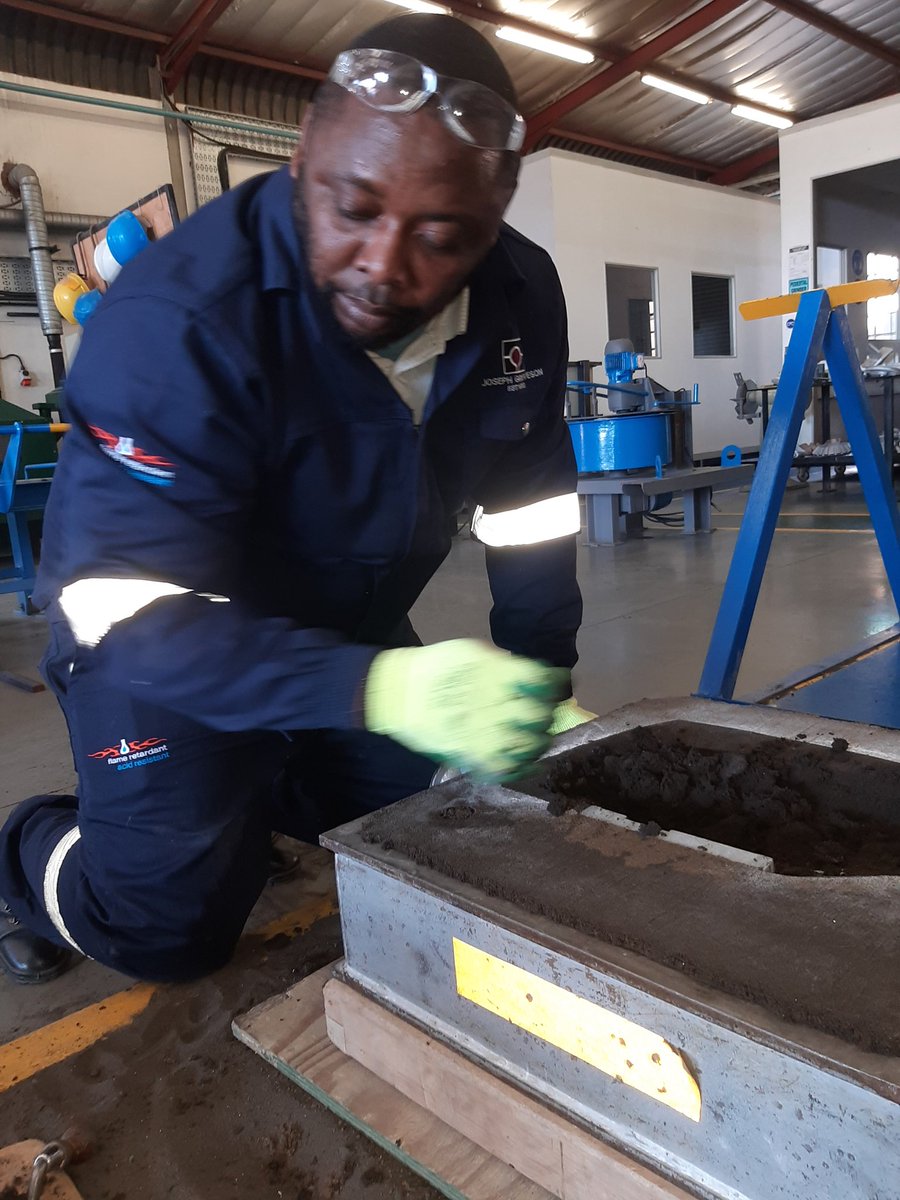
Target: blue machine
(635, 459)
(19, 498)
(648, 428)
(630, 442)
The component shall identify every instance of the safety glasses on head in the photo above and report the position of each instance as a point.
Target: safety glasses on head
(394, 82)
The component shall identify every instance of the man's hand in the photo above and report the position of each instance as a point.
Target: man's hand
(569, 714)
(466, 704)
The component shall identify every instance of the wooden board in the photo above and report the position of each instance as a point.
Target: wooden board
(453, 1122)
(289, 1032)
(15, 1172)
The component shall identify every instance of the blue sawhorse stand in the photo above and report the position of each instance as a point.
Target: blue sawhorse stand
(820, 331)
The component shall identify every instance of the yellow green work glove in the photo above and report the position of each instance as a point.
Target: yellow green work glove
(569, 714)
(466, 704)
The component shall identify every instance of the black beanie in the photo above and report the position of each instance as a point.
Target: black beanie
(447, 45)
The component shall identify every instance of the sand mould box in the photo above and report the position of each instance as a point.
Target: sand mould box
(811, 809)
(814, 941)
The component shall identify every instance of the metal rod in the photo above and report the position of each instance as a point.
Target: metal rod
(145, 110)
(55, 220)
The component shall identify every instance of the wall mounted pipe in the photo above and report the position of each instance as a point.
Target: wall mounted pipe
(23, 181)
(14, 218)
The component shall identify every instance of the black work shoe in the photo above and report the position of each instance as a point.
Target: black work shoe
(25, 956)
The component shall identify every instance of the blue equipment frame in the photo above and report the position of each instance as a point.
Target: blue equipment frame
(820, 331)
(18, 498)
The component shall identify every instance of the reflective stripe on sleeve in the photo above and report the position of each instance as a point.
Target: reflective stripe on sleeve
(93, 606)
(51, 884)
(527, 526)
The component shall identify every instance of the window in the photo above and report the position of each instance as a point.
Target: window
(881, 313)
(711, 307)
(831, 266)
(632, 307)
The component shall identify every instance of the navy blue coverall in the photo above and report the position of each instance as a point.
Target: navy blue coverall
(242, 516)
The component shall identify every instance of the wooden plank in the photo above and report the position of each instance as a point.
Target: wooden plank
(289, 1032)
(21, 683)
(545, 1147)
(153, 212)
(841, 293)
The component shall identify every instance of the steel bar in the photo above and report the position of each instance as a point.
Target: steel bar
(743, 168)
(812, 14)
(175, 59)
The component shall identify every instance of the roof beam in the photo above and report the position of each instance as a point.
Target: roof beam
(743, 168)
(105, 25)
(70, 17)
(464, 8)
(590, 139)
(176, 57)
(607, 51)
(645, 54)
(845, 33)
(303, 70)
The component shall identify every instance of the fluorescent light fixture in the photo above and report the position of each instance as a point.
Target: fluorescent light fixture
(540, 13)
(534, 41)
(666, 85)
(758, 96)
(764, 118)
(420, 6)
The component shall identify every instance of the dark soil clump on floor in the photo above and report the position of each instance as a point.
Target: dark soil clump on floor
(811, 809)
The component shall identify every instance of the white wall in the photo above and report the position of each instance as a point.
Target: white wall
(89, 160)
(596, 212)
(846, 141)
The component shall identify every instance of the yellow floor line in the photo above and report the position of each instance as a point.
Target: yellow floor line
(28, 1055)
(795, 529)
(33, 1052)
(299, 920)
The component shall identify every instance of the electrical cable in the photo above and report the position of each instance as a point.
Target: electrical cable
(18, 359)
(190, 122)
(173, 108)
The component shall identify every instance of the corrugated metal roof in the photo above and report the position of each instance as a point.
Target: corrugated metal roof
(45, 49)
(759, 46)
(74, 55)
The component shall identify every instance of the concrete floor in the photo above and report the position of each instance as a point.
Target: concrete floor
(649, 609)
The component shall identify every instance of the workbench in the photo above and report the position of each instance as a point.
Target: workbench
(616, 503)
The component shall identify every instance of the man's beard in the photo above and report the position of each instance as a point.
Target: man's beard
(404, 320)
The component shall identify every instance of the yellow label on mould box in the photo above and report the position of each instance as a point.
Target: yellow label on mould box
(627, 1052)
